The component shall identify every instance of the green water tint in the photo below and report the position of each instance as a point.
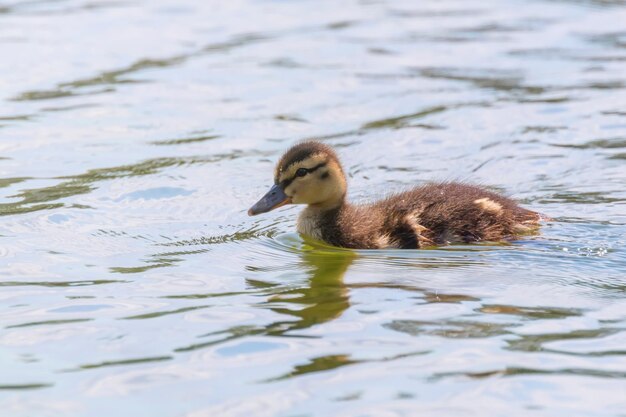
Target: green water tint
(182, 141)
(5, 182)
(132, 280)
(47, 323)
(137, 361)
(115, 77)
(323, 298)
(20, 387)
(44, 198)
(40, 198)
(58, 283)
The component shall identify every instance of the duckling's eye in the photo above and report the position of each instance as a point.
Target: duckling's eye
(301, 172)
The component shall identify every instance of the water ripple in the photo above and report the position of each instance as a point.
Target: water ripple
(138, 158)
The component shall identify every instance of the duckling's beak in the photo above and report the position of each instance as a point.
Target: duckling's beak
(274, 198)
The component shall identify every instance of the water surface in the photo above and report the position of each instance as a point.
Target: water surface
(134, 135)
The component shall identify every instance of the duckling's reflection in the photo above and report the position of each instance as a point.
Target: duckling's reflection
(323, 296)
(323, 299)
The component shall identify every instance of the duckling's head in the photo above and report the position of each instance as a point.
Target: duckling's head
(308, 173)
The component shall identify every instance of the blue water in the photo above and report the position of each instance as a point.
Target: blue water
(134, 136)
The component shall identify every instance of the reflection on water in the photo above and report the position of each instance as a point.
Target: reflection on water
(322, 299)
(131, 277)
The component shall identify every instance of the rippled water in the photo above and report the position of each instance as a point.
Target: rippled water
(134, 135)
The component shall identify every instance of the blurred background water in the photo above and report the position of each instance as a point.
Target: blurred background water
(134, 135)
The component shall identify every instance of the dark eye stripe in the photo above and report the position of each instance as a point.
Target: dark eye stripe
(285, 183)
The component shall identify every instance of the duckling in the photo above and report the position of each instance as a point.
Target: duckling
(429, 215)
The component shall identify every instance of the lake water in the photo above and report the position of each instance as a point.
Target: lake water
(134, 136)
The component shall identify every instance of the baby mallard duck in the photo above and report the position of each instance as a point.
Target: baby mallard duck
(434, 214)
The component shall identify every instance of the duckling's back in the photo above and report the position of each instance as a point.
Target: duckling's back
(443, 213)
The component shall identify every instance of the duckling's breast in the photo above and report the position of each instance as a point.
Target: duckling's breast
(309, 223)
